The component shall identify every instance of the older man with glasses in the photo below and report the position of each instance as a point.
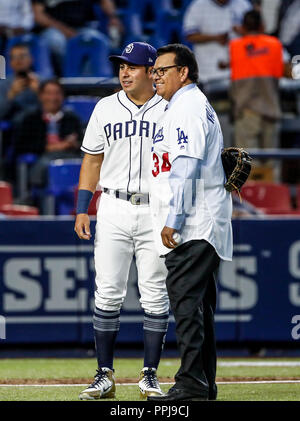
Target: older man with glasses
(191, 212)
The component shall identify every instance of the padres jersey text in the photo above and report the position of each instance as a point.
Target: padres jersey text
(124, 133)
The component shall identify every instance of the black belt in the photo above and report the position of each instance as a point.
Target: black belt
(133, 198)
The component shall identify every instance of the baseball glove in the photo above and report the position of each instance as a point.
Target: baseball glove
(237, 167)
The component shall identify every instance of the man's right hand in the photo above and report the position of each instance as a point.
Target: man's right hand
(68, 31)
(18, 86)
(222, 39)
(82, 226)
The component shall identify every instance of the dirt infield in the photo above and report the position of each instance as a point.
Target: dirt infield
(85, 380)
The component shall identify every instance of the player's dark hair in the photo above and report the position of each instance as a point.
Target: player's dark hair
(146, 67)
(183, 57)
(252, 21)
(19, 45)
(53, 81)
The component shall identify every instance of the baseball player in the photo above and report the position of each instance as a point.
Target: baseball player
(192, 216)
(117, 146)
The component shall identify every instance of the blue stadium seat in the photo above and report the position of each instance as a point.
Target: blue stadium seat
(83, 106)
(101, 18)
(39, 51)
(153, 6)
(184, 5)
(290, 124)
(63, 177)
(168, 29)
(24, 162)
(141, 17)
(87, 56)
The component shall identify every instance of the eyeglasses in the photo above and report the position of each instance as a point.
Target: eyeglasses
(160, 71)
(18, 56)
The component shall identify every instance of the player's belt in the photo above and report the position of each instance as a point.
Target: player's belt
(133, 198)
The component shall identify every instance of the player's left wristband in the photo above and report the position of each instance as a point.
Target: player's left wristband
(83, 201)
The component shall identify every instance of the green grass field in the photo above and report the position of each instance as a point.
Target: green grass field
(49, 372)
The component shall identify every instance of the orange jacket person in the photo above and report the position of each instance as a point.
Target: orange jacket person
(256, 62)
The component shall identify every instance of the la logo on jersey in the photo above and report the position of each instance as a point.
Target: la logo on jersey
(182, 138)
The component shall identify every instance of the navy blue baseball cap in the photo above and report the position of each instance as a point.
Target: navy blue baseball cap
(139, 53)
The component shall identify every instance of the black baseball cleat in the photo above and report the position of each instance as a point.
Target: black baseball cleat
(176, 394)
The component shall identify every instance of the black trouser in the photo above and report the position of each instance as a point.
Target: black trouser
(191, 284)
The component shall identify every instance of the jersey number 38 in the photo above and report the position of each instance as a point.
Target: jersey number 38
(165, 166)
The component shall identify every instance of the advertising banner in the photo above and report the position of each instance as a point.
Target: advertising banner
(47, 284)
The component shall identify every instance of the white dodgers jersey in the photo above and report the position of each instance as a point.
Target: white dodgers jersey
(123, 131)
(190, 128)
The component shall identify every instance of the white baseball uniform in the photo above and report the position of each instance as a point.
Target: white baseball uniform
(190, 128)
(208, 17)
(123, 132)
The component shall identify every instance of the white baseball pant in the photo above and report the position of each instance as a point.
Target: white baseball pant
(122, 231)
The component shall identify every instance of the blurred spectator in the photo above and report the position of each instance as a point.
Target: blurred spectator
(289, 26)
(257, 4)
(209, 24)
(62, 19)
(256, 62)
(50, 132)
(19, 91)
(16, 18)
(269, 10)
